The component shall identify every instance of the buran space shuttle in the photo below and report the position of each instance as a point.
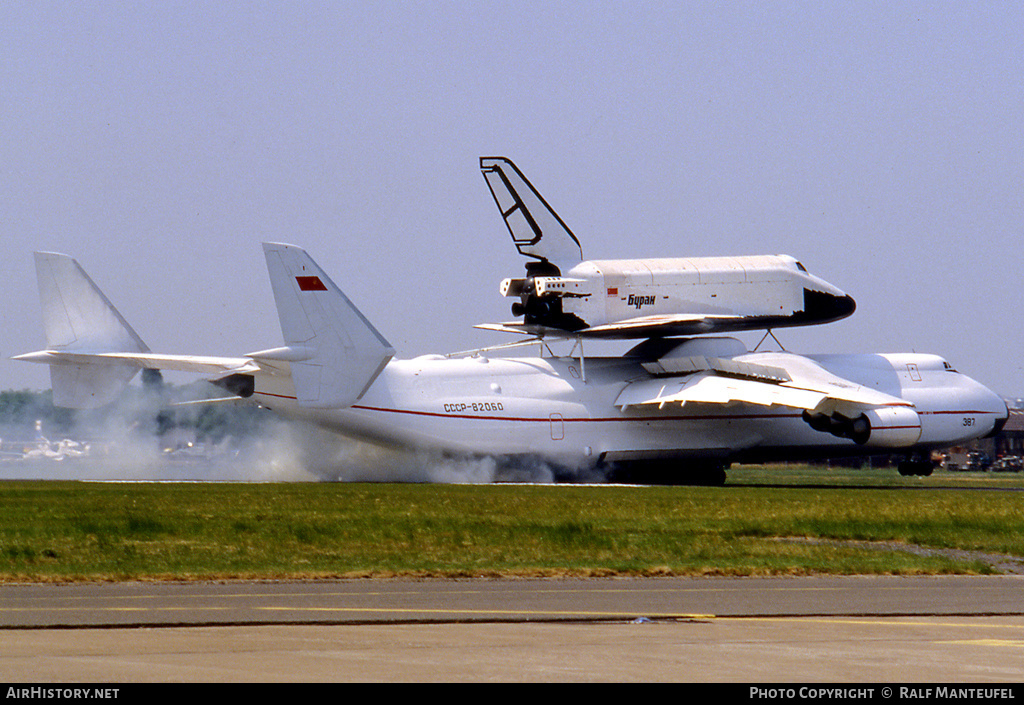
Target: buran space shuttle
(563, 295)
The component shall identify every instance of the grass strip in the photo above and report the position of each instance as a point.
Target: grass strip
(66, 531)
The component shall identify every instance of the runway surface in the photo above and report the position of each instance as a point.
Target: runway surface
(850, 629)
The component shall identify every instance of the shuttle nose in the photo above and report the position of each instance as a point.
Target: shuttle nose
(822, 307)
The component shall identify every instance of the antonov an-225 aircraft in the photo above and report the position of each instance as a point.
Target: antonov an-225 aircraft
(679, 410)
(564, 296)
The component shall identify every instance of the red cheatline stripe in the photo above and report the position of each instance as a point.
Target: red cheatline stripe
(310, 284)
(544, 419)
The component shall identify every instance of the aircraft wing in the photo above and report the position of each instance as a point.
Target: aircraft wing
(790, 381)
(710, 388)
(828, 403)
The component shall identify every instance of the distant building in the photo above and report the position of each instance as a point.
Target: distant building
(1010, 441)
(1001, 451)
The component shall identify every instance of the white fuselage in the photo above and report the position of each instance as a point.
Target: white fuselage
(680, 296)
(763, 285)
(543, 407)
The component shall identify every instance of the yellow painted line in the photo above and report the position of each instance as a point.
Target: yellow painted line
(987, 642)
(922, 621)
(432, 610)
(112, 609)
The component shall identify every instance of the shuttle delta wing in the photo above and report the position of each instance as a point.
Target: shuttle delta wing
(536, 229)
(334, 352)
(641, 327)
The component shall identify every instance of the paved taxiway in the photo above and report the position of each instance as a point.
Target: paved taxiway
(852, 629)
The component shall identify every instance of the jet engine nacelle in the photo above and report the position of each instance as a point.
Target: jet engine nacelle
(886, 427)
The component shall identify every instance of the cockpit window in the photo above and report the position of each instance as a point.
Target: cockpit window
(948, 367)
(801, 267)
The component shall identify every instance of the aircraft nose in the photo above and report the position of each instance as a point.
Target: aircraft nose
(1000, 421)
(823, 306)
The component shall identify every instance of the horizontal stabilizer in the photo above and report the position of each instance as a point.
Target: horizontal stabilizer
(203, 364)
(335, 354)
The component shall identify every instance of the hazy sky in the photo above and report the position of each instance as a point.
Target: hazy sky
(882, 144)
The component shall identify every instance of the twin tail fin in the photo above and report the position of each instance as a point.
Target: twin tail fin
(334, 353)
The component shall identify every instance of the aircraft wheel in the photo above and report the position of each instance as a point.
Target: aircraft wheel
(669, 472)
(921, 468)
(711, 476)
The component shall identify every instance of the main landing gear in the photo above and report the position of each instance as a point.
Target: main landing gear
(916, 465)
(669, 472)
